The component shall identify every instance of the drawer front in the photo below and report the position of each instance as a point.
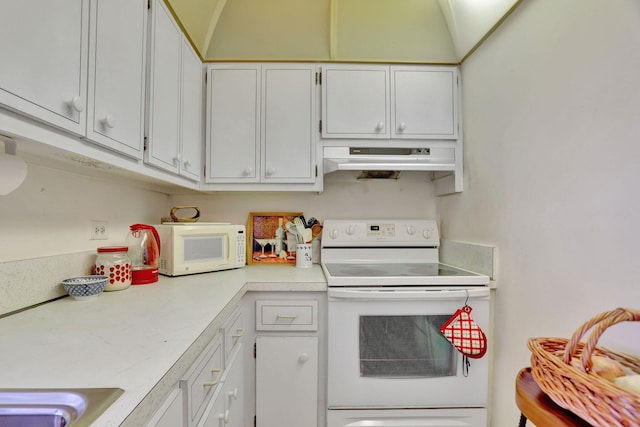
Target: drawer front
(301, 315)
(203, 379)
(233, 332)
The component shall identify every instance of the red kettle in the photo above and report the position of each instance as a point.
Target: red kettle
(144, 250)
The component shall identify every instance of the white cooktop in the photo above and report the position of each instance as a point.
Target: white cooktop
(388, 253)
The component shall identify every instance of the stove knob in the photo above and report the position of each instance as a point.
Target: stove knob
(351, 229)
(334, 234)
(411, 230)
(427, 234)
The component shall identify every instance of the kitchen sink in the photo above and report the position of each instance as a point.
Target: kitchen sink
(76, 407)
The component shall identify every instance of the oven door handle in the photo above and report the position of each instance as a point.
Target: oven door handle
(411, 294)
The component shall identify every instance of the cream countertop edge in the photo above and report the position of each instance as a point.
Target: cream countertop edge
(97, 343)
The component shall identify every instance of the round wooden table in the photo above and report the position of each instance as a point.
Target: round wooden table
(536, 406)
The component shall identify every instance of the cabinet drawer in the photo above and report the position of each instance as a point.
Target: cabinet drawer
(203, 379)
(233, 332)
(289, 315)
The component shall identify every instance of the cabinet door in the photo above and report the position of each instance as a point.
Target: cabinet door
(43, 45)
(191, 129)
(233, 389)
(170, 412)
(288, 116)
(164, 105)
(233, 118)
(117, 75)
(355, 101)
(287, 381)
(424, 103)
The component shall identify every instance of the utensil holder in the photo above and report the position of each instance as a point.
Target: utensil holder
(304, 255)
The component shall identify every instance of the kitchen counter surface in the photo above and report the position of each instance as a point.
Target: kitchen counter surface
(132, 339)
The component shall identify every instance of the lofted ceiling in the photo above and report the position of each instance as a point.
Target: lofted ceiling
(421, 31)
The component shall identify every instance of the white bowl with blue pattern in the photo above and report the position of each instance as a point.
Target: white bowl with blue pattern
(85, 287)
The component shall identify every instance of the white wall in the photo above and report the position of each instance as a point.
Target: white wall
(50, 213)
(410, 196)
(552, 137)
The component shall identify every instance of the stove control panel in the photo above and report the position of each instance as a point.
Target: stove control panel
(362, 233)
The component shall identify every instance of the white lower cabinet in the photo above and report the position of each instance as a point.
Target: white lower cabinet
(286, 381)
(203, 380)
(170, 413)
(288, 363)
(227, 408)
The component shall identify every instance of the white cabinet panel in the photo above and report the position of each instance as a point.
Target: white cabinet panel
(192, 129)
(233, 117)
(355, 101)
(288, 96)
(164, 105)
(424, 103)
(175, 99)
(261, 124)
(397, 102)
(117, 75)
(287, 381)
(170, 412)
(43, 45)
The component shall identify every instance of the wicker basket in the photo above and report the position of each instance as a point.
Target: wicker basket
(596, 400)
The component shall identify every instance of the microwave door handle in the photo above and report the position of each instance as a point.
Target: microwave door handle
(425, 294)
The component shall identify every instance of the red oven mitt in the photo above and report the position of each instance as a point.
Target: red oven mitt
(465, 334)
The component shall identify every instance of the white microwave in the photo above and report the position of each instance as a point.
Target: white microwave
(189, 248)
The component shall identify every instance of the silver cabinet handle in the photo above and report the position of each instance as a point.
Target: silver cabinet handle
(286, 316)
(216, 381)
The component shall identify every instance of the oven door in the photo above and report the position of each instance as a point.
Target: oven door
(386, 349)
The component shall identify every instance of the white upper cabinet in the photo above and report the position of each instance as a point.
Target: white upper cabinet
(175, 78)
(424, 102)
(43, 45)
(233, 123)
(164, 90)
(261, 124)
(192, 127)
(355, 101)
(382, 102)
(288, 118)
(117, 75)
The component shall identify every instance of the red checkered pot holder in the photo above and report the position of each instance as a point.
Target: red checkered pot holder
(465, 334)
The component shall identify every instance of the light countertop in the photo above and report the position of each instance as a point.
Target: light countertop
(133, 339)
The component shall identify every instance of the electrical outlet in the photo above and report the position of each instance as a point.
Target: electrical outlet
(99, 230)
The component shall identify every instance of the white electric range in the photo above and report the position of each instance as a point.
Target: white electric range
(388, 363)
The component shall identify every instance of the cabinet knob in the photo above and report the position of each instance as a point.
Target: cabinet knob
(109, 121)
(271, 171)
(76, 103)
(224, 417)
(303, 358)
(187, 164)
(233, 395)
(247, 171)
(176, 160)
(402, 126)
(380, 126)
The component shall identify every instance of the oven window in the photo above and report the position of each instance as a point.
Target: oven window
(405, 346)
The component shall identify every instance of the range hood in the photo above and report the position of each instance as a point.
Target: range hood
(440, 159)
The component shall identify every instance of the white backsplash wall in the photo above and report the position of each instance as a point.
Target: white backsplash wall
(50, 213)
(551, 103)
(410, 196)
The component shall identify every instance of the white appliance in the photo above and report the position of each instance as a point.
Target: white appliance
(188, 248)
(389, 158)
(389, 365)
